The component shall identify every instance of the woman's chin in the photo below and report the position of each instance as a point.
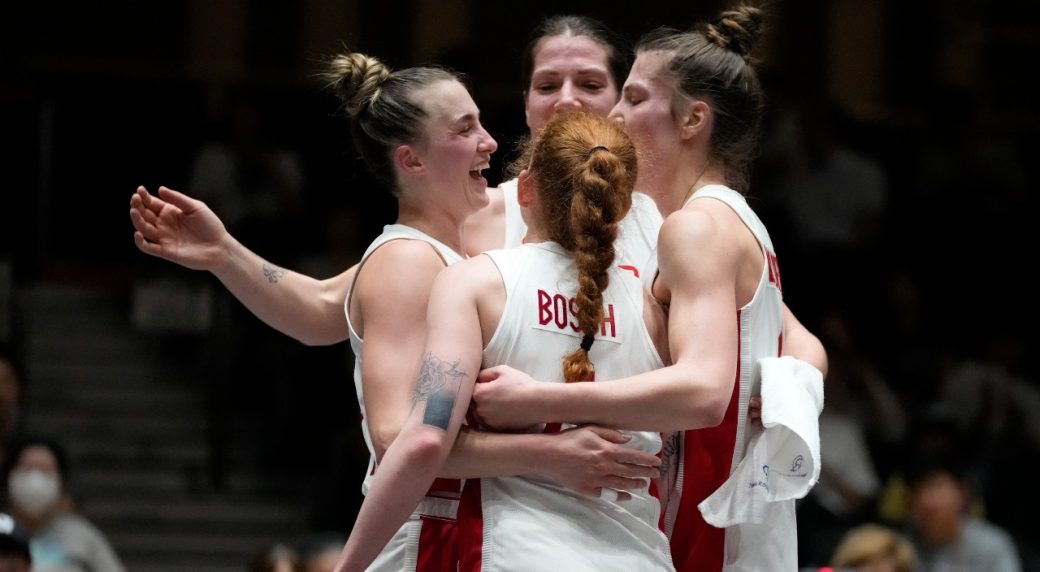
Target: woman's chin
(480, 197)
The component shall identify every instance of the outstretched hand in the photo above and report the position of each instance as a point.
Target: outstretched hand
(589, 459)
(178, 228)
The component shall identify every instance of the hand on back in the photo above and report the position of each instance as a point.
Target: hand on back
(588, 459)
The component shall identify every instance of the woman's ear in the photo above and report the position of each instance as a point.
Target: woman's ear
(407, 160)
(525, 189)
(695, 118)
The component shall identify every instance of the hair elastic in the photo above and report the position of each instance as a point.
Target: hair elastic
(586, 342)
(596, 148)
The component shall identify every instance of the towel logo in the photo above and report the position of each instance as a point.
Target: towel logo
(764, 483)
(796, 468)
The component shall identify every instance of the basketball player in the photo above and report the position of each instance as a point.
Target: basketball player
(559, 298)
(419, 131)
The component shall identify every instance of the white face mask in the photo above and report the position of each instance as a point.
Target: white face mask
(34, 491)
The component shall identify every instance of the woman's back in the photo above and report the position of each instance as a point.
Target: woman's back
(531, 523)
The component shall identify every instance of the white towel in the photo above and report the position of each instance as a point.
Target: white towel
(783, 461)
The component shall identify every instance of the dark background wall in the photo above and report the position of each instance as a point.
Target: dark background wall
(99, 98)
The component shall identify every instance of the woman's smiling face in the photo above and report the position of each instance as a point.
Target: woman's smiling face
(455, 147)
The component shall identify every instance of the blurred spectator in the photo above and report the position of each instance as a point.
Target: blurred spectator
(322, 553)
(857, 388)
(14, 546)
(946, 536)
(907, 334)
(61, 540)
(830, 199)
(874, 548)
(998, 407)
(251, 178)
(277, 557)
(995, 404)
(835, 194)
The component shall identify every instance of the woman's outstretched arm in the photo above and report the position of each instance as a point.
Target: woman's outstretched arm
(178, 228)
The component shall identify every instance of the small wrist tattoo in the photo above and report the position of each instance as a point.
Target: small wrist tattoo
(273, 273)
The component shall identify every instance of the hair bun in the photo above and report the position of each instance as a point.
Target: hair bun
(737, 30)
(356, 79)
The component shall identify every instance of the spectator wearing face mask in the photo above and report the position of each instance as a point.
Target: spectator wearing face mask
(60, 539)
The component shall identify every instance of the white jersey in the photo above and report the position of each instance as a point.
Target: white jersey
(426, 542)
(531, 523)
(636, 244)
(708, 456)
(515, 226)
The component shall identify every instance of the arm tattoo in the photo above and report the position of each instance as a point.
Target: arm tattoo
(438, 385)
(273, 273)
(670, 453)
